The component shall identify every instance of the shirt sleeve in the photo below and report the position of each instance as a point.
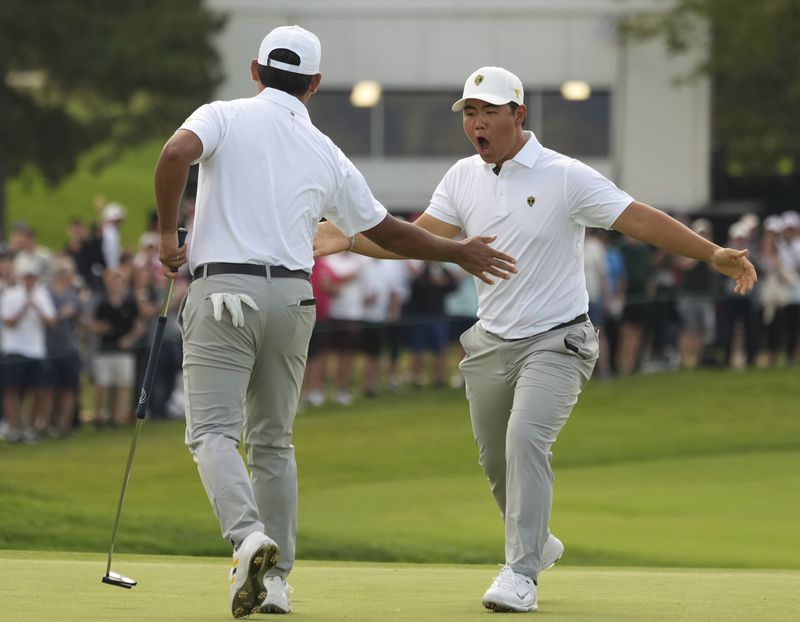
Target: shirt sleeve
(208, 124)
(593, 200)
(353, 207)
(10, 305)
(45, 303)
(443, 202)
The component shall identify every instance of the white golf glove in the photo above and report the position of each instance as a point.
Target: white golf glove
(233, 303)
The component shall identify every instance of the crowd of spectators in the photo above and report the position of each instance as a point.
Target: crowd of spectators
(77, 317)
(83, 316)
(662, 312)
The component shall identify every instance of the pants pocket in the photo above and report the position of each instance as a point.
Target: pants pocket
(583, 343)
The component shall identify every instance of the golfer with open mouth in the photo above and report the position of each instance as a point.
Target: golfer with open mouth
(533, 348)
(267, 176)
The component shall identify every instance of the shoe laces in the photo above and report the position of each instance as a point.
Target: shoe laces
(510, 580)
(283, 583)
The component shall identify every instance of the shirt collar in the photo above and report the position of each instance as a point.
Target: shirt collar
(526, 156)
(287, 101)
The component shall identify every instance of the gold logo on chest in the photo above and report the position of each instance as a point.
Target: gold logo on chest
(531, 200)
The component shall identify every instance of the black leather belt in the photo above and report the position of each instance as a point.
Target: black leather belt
(583, 317)
(577, 320)
(275, 272)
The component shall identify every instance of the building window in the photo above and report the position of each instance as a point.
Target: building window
(347, 126)
(576, 128)
(423, 125)
(413, 124)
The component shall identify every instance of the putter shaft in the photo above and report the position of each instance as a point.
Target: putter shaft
(126, 477)
(141, 411)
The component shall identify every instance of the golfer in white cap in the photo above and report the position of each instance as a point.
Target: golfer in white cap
(267, 176)
(533, 347)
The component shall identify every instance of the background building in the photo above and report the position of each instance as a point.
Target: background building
(638, 126)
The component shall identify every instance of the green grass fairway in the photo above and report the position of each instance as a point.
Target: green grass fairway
(678, 470)
(67, 588)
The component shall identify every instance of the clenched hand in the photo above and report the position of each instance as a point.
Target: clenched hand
(170, 253)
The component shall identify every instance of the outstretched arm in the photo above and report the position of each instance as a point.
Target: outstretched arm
(427, 238)
(329, 240)
(650, 225)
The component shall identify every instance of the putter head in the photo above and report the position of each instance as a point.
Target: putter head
(112, 578)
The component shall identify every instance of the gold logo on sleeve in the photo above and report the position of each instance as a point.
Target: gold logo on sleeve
(531, 200)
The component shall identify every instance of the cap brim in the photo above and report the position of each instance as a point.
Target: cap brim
(489, 99)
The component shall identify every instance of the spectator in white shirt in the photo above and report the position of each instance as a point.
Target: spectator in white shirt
(346, 315)
(113, 215)
(27, 311)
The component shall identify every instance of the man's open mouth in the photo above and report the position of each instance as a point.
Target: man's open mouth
(482, 143)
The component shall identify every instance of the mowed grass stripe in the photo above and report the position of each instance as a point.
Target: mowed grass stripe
(195, 589)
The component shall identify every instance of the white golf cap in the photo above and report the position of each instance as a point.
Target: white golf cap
(494, 85)
(298, 40)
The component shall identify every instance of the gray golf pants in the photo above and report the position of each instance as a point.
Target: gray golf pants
(245, 383)
(521, 393)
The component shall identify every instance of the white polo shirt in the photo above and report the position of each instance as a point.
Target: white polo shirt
(267, 176)
(538, 207)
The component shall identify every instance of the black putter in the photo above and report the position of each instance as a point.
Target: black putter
(113, 578)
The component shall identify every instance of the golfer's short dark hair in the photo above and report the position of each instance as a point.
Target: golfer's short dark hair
(292, 83)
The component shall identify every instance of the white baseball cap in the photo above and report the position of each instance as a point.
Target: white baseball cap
(25, 265)
(702, 225)
(298, 40)
(750, 220)
(114, 211)
(738, 230)
(148, 238)
(494, 85)
(773, 223)
(791, 220)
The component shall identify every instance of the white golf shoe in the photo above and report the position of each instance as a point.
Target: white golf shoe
(256, 554)
(511, 591)
(552, 551)
(277, 600)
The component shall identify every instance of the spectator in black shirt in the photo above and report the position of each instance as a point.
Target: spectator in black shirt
(696, 293)
(428, 325)
(117, 323)
(86, 254)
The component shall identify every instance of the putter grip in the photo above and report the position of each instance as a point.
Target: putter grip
(155, 348)
(181, 241)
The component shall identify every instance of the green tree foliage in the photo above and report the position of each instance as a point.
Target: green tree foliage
(754, 64)
(110, 73)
